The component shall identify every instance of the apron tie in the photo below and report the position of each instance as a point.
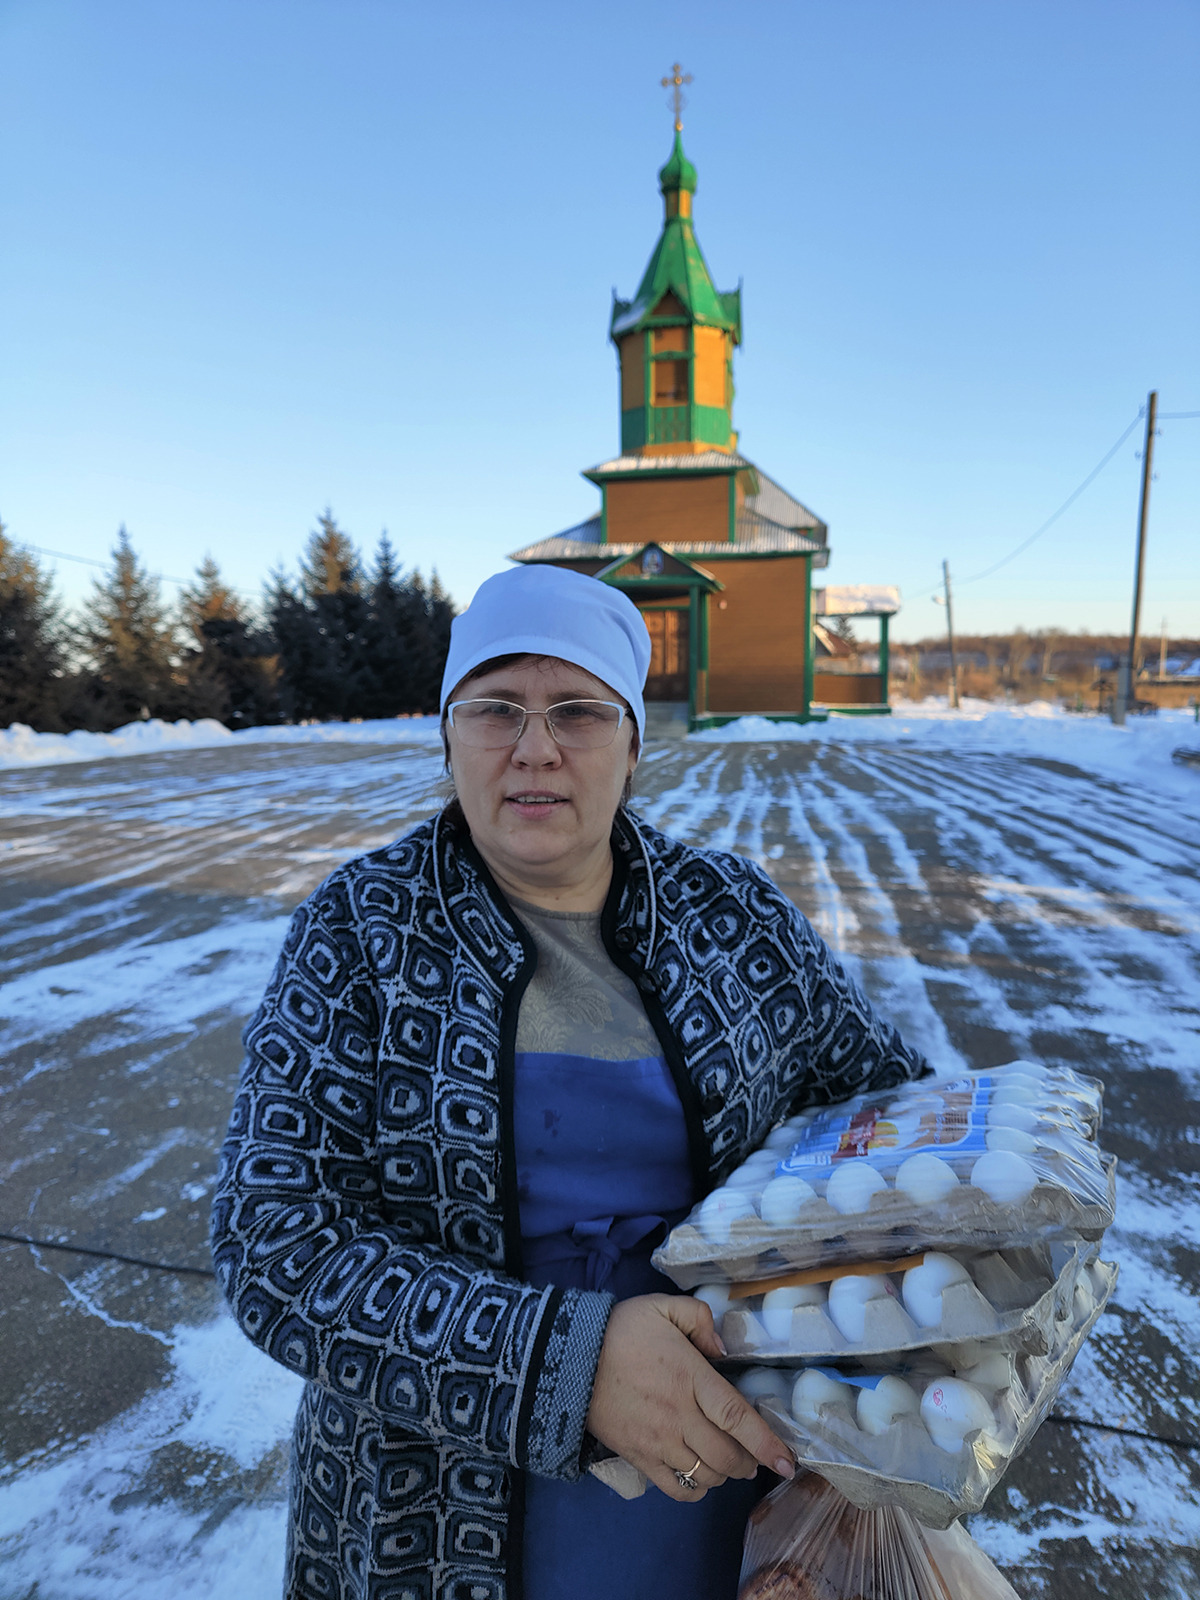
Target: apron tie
(602, 1242)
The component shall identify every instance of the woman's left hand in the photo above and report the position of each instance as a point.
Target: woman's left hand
(658, 1403)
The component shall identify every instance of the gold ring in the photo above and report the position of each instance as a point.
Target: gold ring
(686, 1480)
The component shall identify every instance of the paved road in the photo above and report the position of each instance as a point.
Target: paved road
(994, 906)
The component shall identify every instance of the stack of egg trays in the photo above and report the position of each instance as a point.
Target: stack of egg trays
(1074, 1198)
(903, 1466)
(1016, 1301)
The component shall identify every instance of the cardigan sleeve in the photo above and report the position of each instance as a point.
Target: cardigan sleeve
(851, 1049)
(420, 1337)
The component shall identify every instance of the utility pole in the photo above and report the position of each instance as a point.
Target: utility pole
(950, 632)
(1126, 679)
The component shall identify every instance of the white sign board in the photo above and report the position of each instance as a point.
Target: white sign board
(857, 600)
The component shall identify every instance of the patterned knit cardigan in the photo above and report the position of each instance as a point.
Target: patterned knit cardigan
(366, 1229)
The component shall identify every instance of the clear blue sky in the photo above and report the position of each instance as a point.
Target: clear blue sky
(263, 257)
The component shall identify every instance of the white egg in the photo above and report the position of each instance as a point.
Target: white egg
(778, 1305)
(765, 1383)
(781, 1138)
(992, 1371)
(1004, 1176)
(782, 1199)
(754, 1172)
(925, 1179)
(720, 1210)
(1024, 1144)
(890, 1399)
(952, 1408)
(1013, 1117)
(716, 1298)
(848, 1302)
(812, 1390)
(922, 1286)
(1033, 1070)
(852, 1185)
(1016, 1094)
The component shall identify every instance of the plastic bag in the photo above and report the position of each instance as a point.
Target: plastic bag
(989, 1161)
(1012, 1298)
(934, 1433)
(805, 1541)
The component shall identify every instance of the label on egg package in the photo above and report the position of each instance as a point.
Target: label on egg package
(855, 1380)
(948, 1121)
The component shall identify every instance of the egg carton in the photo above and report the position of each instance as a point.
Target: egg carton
(934, 1171)
(1013, 1299)
(889, 1227)
(902, 1465)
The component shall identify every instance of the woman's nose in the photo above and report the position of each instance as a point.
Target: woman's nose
(536, 746)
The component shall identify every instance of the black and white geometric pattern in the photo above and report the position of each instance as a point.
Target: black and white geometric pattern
(365, 1227)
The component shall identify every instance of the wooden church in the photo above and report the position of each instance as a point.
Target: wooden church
(718, 557)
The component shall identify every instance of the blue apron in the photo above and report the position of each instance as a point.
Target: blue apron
(603, 1171)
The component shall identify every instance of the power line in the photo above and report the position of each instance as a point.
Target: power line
(107, 1255)
(1176, 416)
(1050, 521)
(87, 561)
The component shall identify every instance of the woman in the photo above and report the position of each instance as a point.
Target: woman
(496, 1060)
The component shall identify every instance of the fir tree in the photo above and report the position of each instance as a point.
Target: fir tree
(440, 614)
(232, 672)
(31, 643)
(357, 646)
(407, 639)
(321, 629)
(388, 639)
(330, 563)
(130, 646)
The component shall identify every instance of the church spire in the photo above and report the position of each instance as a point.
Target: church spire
(676, 337)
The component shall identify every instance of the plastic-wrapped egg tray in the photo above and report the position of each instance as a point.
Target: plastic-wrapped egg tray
(989, 1161)
(1012, 1298)
(934, 1434)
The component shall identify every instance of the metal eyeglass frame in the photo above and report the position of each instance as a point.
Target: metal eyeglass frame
(526, 713)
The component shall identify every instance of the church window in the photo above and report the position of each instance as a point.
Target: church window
(670, 383)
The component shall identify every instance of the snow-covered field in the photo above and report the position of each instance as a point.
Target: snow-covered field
(1005, 882)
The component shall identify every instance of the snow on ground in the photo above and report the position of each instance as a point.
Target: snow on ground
(1140, 751)
(1038, 729)
(95, 1524)
(20, 746)
(1006, 881)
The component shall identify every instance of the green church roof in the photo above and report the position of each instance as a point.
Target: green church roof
(678, 267)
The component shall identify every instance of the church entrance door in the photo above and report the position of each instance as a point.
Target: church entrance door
(668, 630)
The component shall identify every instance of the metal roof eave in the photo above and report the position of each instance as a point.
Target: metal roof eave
(555, 549)
(697, 466)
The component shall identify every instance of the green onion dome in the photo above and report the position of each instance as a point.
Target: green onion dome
(679, 173)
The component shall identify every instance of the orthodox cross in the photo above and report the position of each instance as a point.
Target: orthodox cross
(678, 101)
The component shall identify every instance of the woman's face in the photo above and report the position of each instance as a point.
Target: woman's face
(541, 815)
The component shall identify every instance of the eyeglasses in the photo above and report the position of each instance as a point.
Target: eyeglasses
(574, 724)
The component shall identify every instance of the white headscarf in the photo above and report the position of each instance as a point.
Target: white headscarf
(551, 611)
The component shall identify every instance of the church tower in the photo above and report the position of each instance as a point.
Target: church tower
(675, 339)
(716, 555)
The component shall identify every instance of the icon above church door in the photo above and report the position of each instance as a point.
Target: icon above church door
(668, 675)
(652, 563)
